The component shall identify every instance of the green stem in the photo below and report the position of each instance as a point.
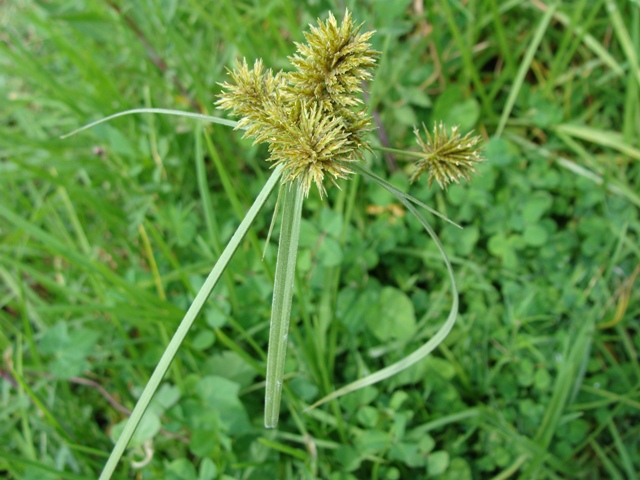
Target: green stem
(406, 153)
(185, 325)
(292, 198)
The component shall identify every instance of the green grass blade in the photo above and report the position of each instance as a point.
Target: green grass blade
(612, 471)
(603, 138)
(276, 209)
(429, 346)
(231, 189)
(612, 184)
(399, 193)
(524, 67)
(590, 41)
(624, 38)
(185, 325)
(626, 458)
(567, 383)
(466, 52)
(292, 198)
(10, 458)
(164, 111)
(53, 244)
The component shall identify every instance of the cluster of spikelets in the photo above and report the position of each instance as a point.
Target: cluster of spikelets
(312, 118)
(447, 157)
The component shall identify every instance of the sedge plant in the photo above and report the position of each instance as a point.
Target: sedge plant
(316, 126)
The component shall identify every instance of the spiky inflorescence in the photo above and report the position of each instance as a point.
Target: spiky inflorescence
(256, 96)
(447, 157)
(308, 117)
(333, 63)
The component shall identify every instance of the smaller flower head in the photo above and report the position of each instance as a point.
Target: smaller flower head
(447, 157)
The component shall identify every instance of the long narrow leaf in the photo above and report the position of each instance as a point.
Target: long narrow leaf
(185, 325)
(399, 193)
(164, 111)
(292, 197)
(524, 67)
(428, 347)
(603, 138)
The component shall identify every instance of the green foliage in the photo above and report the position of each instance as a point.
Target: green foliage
(539, 377)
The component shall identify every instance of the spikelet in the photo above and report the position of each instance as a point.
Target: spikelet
(447, 157)
(333, 63)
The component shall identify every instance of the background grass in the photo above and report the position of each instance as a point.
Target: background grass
(106, 237)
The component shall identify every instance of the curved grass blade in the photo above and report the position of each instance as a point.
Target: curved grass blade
(428, 347)
(185, 325)
(292, 197)
(165, 111)
(399, 193)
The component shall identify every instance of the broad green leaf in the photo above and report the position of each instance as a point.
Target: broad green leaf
(330, 252)
(409, 454)
(181, 469)
(500, 151)
(458, 469)
(221, 396)
(437, 462)
(231, 366)
(208, 470)
(166, 397)
(55, 339)
(535, 235)
(148, 427)
(536, 205)
(69, 350)
(203, 340)
(349, 458)
(393, 317)
(371, 442)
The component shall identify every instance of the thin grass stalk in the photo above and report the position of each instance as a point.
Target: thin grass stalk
(185, 325)
(163, 111)
(524, 67)
(292, 196)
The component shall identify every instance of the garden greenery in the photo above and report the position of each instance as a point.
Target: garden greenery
(315, 126)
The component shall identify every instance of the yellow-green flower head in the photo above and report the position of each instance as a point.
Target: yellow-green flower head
(447, 157)
(315, 143)
(307, 117)
(253, 96)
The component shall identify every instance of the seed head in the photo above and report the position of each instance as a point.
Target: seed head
(447, 157)
(314, 144)
(308, 117)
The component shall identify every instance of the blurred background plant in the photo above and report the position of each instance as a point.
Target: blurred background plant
(106, 237)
